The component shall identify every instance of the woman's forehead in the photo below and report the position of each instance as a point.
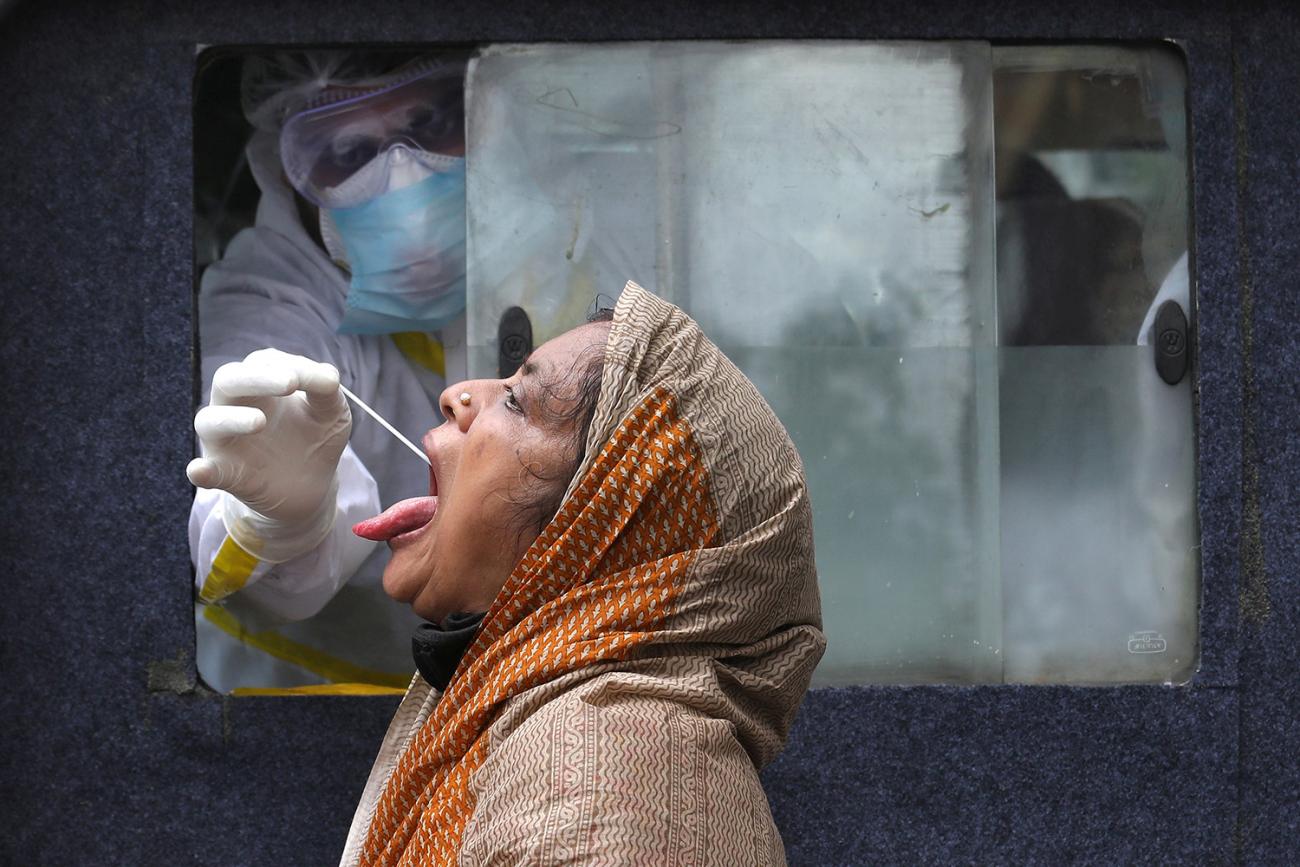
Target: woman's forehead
(557, 356)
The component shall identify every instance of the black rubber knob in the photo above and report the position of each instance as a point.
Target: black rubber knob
(514, 341)
(1172, 341)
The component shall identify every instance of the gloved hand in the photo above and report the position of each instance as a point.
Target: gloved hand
(272, 434)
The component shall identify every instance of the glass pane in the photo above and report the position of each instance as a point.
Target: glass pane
(829, 212)
(825, 211)
(1099, 553)
(940, 262)
(1098, 533)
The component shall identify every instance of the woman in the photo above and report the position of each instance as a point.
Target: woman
(642, 654)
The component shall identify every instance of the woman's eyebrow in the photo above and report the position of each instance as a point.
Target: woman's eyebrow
(528, 368)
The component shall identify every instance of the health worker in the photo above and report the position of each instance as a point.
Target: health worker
(356, 260)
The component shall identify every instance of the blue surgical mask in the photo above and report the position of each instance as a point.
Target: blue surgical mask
(406, 251)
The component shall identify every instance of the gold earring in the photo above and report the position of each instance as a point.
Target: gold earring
(464, 398)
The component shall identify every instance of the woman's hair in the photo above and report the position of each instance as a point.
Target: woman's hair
(582, 386)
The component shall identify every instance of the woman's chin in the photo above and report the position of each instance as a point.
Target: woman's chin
(417, 594)
(399, 588)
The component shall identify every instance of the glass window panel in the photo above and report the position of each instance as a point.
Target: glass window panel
(825, 211)
(940, 262)
(1099, 543)
(949, 328)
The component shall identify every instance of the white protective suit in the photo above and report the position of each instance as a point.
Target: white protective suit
(323, 617)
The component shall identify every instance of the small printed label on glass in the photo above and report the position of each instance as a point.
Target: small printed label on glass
(1148, 641)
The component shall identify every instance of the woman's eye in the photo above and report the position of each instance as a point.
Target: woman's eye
(512, 402)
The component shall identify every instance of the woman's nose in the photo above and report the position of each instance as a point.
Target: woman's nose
(461, 402)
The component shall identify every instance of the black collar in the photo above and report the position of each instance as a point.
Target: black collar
(438, 648)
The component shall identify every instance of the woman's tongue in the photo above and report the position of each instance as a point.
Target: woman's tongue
(397, 519)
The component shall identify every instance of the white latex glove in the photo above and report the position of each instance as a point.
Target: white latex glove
(272, 434)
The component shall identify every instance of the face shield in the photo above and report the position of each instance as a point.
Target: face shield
(341, 150)
(385, 165)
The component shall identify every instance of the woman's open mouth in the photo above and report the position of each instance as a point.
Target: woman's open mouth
(402, 521)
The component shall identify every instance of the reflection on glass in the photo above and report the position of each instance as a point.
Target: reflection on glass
(1091, 189)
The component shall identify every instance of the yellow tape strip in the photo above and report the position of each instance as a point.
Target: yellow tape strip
(321, 689)
(423, 350)
(230, 570)
(323, 665)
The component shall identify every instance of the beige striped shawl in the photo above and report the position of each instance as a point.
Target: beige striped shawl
(645, 657)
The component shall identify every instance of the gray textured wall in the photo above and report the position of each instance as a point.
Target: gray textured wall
(112, 756)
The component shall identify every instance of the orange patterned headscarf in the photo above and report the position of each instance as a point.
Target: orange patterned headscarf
(687, 531)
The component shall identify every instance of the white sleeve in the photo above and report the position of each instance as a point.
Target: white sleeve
(297, 588)
(267, 292)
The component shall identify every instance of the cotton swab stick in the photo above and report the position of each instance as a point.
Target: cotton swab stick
(379, 418)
